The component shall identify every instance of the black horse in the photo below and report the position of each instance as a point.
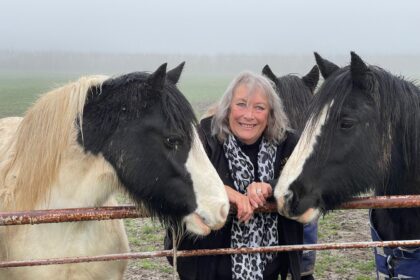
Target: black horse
(362, 133)
(296, 94)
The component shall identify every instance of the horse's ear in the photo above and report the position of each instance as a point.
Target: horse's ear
(360, 73)
(268, 73)
(326, 67)
(156, 80)
(311, 79)
(174, 74)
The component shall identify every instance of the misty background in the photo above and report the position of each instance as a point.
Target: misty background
(214, 37)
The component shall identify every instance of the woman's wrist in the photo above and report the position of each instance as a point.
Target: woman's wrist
(231, 193)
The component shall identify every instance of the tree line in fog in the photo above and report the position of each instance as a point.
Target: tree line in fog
(104, 63)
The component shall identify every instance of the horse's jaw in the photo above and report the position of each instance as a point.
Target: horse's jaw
(198, 224)
(308, 216)
(195, 224)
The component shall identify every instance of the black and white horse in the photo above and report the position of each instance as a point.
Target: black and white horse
(80, 143)
(363, 132)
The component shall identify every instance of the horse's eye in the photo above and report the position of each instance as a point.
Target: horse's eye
(173, 142)
(346, 124)
(123, 108)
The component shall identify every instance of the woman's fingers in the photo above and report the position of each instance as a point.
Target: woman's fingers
(257, 192)
(247, 213)
(267, 190)
(245, 209)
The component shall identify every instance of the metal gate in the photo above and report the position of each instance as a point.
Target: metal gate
(120, 212)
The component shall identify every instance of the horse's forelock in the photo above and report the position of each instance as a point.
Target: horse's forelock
(46, 131)
(332, 93)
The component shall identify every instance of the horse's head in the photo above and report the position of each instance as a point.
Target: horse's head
(295, 92)
(145, 128)
(338, 154)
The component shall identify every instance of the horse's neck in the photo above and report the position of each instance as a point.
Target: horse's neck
(398, 224)
(84, 180)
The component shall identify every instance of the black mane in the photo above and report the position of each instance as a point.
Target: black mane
(295, 93)
(296, 97)
(181, 119)
(134, 99)
(172, 102)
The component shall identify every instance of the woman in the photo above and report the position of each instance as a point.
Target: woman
(248, 142)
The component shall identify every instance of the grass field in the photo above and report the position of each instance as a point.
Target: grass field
(17, 92)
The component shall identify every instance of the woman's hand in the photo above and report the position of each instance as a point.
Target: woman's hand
(258, 192)
(242, 203)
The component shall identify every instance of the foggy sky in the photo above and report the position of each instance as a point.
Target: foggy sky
(212, 27)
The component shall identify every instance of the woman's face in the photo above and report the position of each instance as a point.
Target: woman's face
(248, 115)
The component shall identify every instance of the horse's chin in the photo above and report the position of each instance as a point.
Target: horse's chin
(310, 215)
(195, 224)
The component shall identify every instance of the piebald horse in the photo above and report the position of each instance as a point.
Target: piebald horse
(80, 143)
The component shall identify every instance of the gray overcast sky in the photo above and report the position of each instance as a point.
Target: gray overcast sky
(212, 27)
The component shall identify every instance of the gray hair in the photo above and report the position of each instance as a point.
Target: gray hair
(277, 124)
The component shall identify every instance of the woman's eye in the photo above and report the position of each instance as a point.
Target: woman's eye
(260, 108)
(241, 104)
(173, 142)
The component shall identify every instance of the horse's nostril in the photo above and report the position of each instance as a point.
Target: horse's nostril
(205, 221)
(288, 196)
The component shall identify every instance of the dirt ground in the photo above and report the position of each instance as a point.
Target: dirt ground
(338, 226)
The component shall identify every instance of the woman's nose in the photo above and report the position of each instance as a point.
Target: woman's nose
(249, 113)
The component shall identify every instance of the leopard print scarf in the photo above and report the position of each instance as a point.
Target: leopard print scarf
(261, 229)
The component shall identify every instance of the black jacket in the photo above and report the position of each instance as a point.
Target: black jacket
(219, 267)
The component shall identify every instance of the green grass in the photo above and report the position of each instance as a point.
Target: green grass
(346, 263)
(19, 91)
(328, 226)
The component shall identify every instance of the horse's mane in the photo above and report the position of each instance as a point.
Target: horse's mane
(175, 107)
(178, 111)
(398, 107)
(35, 154)
(296, 97)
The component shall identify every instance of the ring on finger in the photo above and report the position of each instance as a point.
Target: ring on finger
(258, 191)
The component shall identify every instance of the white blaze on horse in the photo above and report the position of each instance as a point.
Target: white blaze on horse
(80, 143)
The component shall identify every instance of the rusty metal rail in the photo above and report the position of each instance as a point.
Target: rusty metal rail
(69, 215)
(206, 252)
(121, 212)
